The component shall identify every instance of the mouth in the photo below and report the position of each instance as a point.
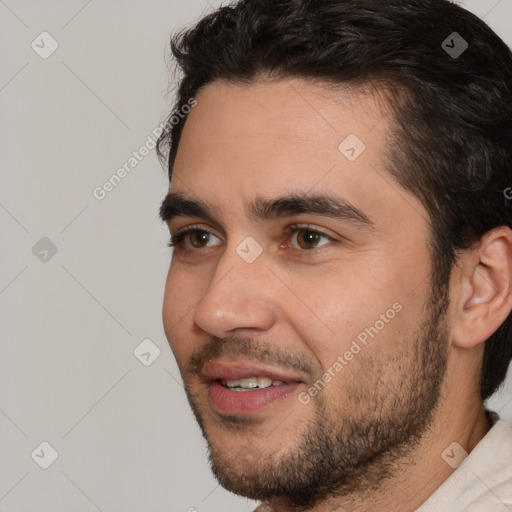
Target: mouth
(237, 388)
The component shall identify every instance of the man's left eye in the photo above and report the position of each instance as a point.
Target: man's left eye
(306, 238)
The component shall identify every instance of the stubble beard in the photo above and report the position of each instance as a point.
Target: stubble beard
(341, 454)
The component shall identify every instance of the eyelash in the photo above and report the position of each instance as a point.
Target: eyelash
(178, 239)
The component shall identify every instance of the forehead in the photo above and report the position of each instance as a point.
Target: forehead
(269, 139)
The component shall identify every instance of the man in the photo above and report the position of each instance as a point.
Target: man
(339, 296)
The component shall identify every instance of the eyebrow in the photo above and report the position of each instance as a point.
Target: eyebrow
(176, 204)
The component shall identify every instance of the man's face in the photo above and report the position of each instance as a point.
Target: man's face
(308, 274)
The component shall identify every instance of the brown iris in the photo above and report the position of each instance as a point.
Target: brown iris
(308, 239)
(199, 239)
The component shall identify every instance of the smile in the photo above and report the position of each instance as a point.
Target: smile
(242, 387)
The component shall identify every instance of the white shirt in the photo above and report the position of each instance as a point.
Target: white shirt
(482, 482)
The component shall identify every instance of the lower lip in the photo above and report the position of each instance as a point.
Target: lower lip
(227, 401)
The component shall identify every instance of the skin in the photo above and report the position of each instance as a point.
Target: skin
(269, 139)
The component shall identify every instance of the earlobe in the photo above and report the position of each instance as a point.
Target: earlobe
(484, 289)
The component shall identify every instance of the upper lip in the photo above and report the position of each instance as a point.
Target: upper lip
(236, 370)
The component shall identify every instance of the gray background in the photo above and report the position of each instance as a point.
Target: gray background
(125, 438)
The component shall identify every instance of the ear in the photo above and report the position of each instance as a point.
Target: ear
(483, 290)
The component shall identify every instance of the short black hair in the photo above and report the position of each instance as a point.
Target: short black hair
(452, 105)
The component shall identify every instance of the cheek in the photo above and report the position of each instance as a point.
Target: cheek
(346, 310)
(178, 307)
(171, 304)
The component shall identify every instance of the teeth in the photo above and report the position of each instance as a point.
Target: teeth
(264, 382)
(252, 383)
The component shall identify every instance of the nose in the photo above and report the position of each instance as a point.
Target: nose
(239, 297)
